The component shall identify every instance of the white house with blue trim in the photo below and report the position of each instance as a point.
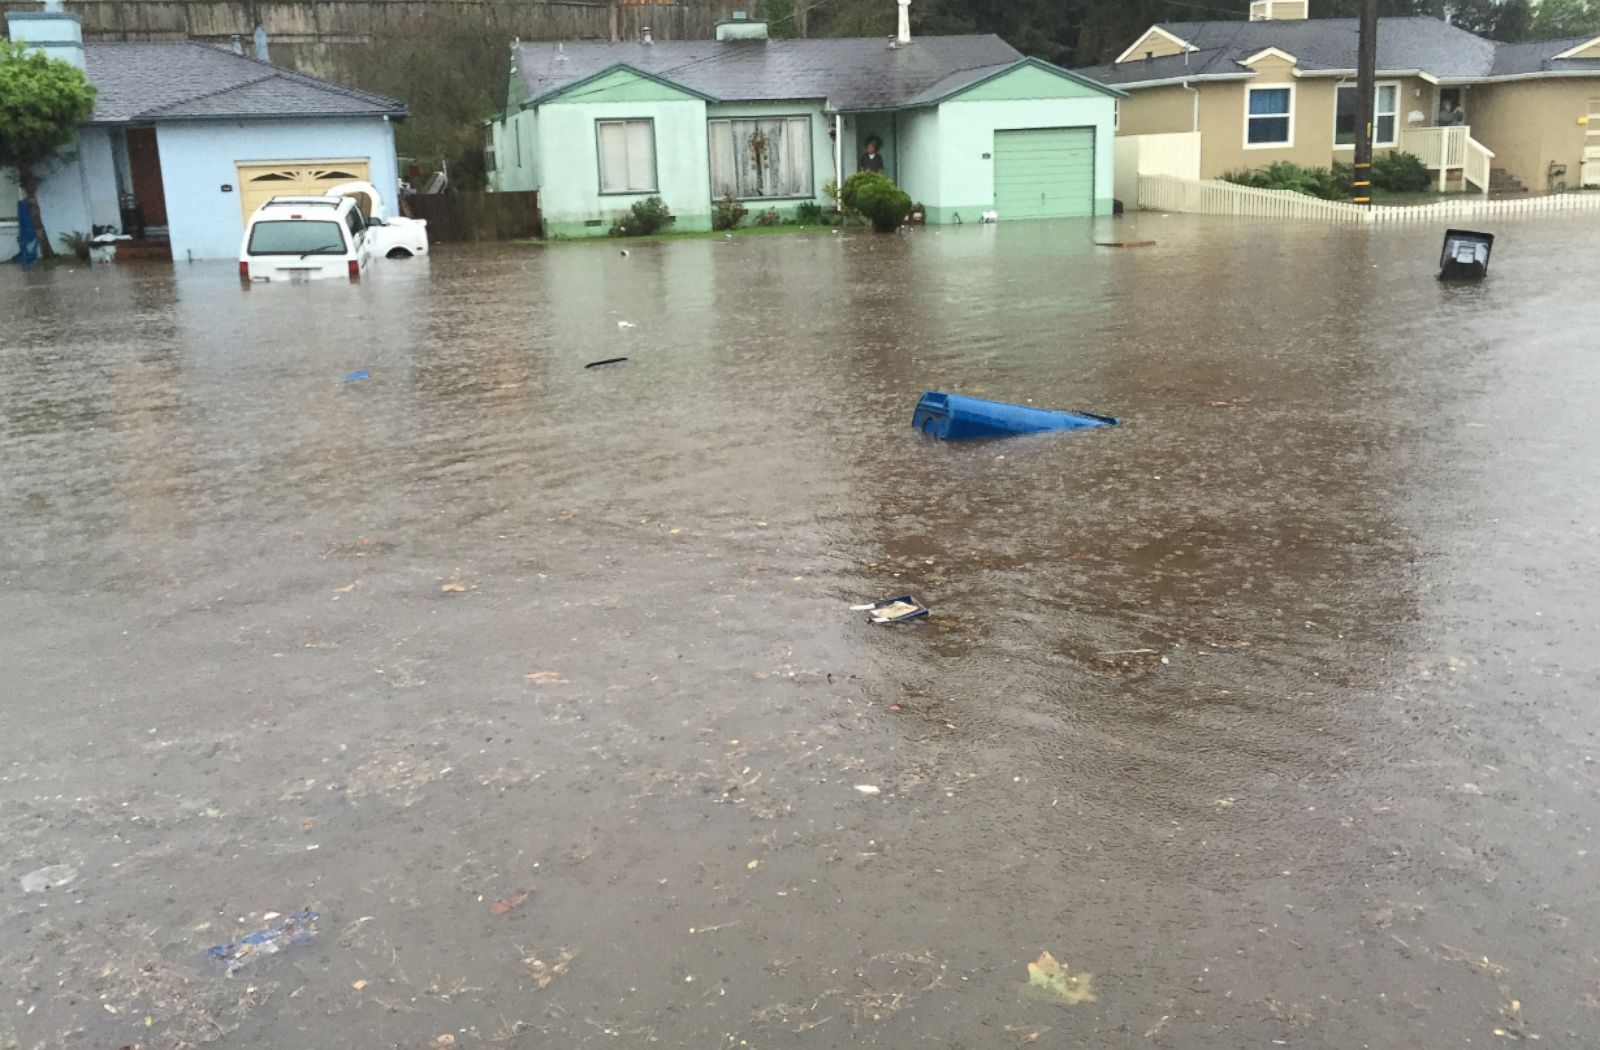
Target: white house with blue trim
(186, 140)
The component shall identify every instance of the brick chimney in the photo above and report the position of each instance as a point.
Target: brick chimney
(53, 31)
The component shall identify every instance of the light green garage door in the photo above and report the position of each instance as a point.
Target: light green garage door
(1044, 174)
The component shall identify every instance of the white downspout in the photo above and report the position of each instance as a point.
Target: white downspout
(1194, 122)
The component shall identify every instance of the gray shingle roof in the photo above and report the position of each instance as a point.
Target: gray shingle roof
(853, 74)
(1540, 57)
(1426, 44)
(186, 81)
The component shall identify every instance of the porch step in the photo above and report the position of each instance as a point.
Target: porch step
(149, 248)
(1502, 181)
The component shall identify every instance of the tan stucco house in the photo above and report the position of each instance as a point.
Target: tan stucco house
(1281, 86)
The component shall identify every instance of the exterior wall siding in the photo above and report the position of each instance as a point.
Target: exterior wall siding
(70, 198)
(920, 155)
(569, 193)
(1531, 124)
(966, 147)
(1158, 111)
(198, 159)
(517, 154)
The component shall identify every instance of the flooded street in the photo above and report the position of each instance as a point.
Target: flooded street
(1272, 710)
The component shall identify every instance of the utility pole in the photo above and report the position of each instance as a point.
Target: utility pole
(1366, 99)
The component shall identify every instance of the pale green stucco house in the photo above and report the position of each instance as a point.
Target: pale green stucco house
(967, 125)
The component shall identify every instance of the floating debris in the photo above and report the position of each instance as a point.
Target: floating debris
(353, 376)
(52, 878)
(607, 361)
(1050, 976)
(544, 973)
(511, 903)
(893, 610)
(296, 929)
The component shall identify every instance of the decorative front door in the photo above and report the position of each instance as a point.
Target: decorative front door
(144, 169)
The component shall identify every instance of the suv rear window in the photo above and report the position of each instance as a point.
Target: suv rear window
(296, 237)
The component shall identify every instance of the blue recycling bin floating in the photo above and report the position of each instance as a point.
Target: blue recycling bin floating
(951, 417)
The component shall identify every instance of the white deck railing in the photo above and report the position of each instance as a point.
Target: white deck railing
(1202, 197)
(1450, 149)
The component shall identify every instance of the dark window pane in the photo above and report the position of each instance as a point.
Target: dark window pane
(1269, 101)
(1269, 129)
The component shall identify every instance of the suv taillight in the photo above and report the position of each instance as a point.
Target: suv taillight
(244, 270)
(355, 269)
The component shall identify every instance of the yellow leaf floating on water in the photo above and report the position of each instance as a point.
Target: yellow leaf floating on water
(1051, 976)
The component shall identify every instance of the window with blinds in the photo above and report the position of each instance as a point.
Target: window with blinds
(765, 158)
(627, 151)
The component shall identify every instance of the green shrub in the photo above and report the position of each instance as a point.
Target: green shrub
(874, 195)
(1400, 173)
(808, 213)
(1344, 176)
(1246, 177)
(644, 218)
(1326, 183)
(727, 213)
(77, 243)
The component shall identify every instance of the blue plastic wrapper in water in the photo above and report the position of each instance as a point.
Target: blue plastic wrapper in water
(286, 933)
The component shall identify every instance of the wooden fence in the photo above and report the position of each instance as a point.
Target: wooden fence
(458, 217)
(1198, 197)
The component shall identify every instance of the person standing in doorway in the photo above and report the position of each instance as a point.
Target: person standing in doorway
(1450, 115)
(871, 160)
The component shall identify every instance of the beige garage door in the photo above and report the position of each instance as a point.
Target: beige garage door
(258, 182)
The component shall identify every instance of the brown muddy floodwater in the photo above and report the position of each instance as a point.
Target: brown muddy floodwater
(402, 648)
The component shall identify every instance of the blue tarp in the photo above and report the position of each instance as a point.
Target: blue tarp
(27, 239)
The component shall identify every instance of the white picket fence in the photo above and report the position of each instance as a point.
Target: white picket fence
(1205, 197)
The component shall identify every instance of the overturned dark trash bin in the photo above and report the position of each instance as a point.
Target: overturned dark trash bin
(1465, 256)
(951, 417)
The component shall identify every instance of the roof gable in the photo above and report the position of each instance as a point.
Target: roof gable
(149, 82)
(621, 83)
(1587, 50)
(1156, 43)
(1031, 78)
(1270, 55)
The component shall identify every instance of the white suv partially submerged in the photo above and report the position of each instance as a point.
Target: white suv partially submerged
(305, 238)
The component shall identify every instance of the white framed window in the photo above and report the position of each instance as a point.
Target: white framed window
(1269, 117)
(762, 158)
(626, 150)
(1385, 116)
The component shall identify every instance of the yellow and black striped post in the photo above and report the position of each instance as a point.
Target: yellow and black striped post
(1366, 101)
